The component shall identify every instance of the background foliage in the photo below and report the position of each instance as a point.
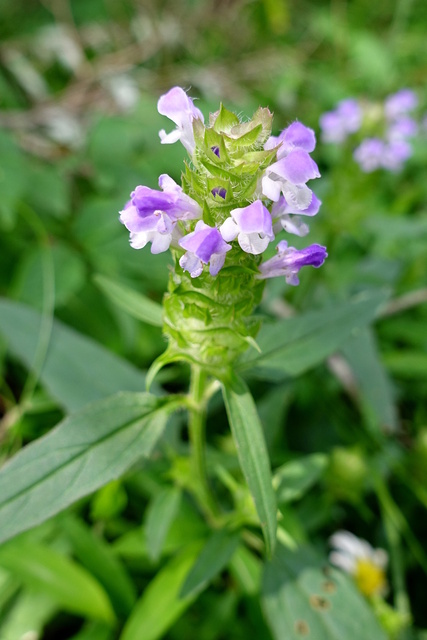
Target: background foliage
(342, 405)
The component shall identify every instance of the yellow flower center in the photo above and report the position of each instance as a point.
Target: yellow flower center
(369, 577)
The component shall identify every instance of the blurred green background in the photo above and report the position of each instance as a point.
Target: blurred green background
(79, 83)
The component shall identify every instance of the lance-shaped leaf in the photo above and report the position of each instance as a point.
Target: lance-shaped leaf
(252, 452)
(76, 370)
(161, 604)
(84, 452)
(160, 515)
(134, 303)
(71, 586)
(214, 556)
(290, 347)
(305, 598)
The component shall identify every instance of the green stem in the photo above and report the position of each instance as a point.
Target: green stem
(196, 428)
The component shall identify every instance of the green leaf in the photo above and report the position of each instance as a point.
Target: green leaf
(302, 597)
(245, 566)
(71, 586)
(375, 387)
(84, 452)
(77, 370)
(161, 605)
(95, 631)
(293, 479)
(13, 179)
(292, 346)
(133, 302)
(30, 612)
(252, 452)
(214, 556)
(224, 121)
(406, 363)
(160, 515)
(96, 555)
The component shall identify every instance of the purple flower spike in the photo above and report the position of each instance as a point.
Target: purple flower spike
(400, 103)
(296, 136)
(176, 105)
(251, 226)
(283, 207)
(289, 261)
(151, 215)
(204, 245)
(288, 176)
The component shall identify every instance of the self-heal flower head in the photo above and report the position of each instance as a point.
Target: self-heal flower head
(204, 245)
(358, 558)
(178, 107)
(289, 261)
(251, 226)
(151, 215)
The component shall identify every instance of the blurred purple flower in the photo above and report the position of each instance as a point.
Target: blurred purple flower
(289, 261)
(176, 105)
(369, 154)
(400, 103)
(403, 127)
(204, 245)
(338, 124)
(251, 225)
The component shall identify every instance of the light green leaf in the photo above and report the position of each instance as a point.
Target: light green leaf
(77, 370)
(30, 612)
(292, 346)
(71, 586)
(133, 302)
(161, 605)
(214, 556)
(96, 555)
(294, 478)
(303, 597)
(376, 390)
(160, 515)
(252, 452)
(85, 451)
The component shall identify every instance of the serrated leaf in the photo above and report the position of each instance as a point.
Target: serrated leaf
(84, 452)
(214, 556)
(160, 515)
(73, 588)
(294, 478)
(252, 452)
(76, 370)
(161, 605)
(133, 302)
(303, 597)
(292, 346)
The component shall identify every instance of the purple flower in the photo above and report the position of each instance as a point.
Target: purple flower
(283, 214)
(395, 155)
(288, 176)
(251, 226)
(403, 127)
(204, 245)
(151, 215)
(289, 261)
(400, 103)
(369, 154)
(296, 136)
(336, 125)
(176, 105)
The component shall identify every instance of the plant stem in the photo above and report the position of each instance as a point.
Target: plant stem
(196, 429)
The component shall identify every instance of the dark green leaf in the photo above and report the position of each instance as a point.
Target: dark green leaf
(214, 556)
(71, 586)
(133, 302)
(253, 457)
(84, 452)
(303, 597)
(294, 478)
(76, 370)
(160, 515)
(290, 347)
